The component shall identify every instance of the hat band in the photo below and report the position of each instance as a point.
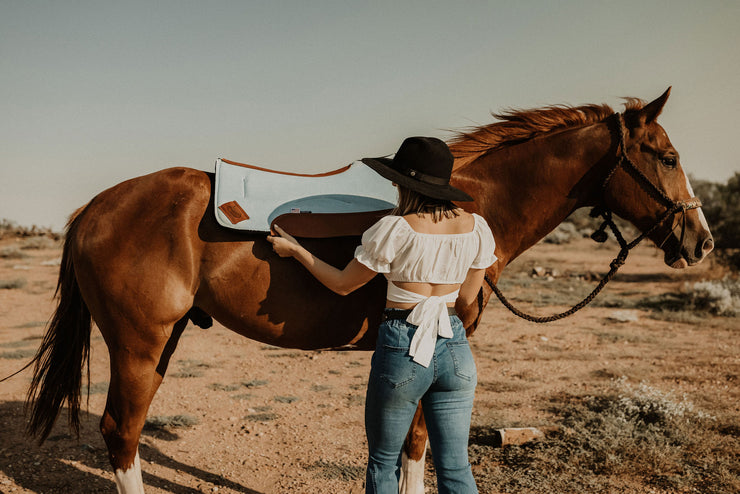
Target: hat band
(423, 177)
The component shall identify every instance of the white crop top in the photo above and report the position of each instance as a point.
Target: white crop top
(395, 249)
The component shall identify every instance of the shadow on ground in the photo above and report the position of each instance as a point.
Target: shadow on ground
(61, 464)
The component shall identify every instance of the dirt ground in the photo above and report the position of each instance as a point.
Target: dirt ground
(234, 415)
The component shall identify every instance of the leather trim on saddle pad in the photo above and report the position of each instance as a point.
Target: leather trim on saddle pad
(253, 167)
(234, 212)
(327, 225)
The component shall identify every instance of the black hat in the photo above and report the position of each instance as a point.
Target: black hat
(423, 164)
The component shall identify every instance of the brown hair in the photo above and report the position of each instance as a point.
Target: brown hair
(410, 201)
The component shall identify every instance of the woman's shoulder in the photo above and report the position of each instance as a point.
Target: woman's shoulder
(483, 229)
(384, 226)
(389, 221)
(480, 221)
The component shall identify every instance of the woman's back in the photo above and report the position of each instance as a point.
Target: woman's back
(426, 257)
(462, 224)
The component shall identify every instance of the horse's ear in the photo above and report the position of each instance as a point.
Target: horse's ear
(651, 111)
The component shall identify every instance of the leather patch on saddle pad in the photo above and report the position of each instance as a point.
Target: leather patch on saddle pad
(234, 212)
(327, 225)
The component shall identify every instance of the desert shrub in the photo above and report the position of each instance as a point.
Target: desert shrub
(581, 224)
(261, 417)
(12, 253)
(721, 206)
(12, 284)
(170, 422)
(38, 243)
(98, 388)
(190, 368)
(224, 387)
(10, 228)
(286, 399)
(337, 471)
(583, 221)
(718, 297)
(20, 353)
(629, 439)
(564, 233)
(255, 383)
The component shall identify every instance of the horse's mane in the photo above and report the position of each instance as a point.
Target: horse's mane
(515, 126)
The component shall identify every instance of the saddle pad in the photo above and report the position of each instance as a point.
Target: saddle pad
(327, 225)
(249, 198)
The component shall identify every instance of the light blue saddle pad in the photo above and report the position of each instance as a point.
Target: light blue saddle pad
(248, 198)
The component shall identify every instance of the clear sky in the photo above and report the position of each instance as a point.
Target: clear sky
(95, 92)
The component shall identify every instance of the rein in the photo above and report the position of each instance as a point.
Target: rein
(600, 235)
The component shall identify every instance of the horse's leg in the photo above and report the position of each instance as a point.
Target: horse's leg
(413, 456)
(135, 378)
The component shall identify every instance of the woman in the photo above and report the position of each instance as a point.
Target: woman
(434, 254)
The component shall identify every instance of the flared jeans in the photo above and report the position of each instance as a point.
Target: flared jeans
(397, 384)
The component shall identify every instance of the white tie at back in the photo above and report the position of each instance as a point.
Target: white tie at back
(430, 315)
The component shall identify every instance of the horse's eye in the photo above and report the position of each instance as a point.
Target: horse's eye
(669, 161)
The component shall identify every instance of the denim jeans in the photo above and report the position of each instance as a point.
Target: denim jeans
(445, 389)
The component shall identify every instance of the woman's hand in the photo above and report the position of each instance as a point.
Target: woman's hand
(283, 244)
(341, 281)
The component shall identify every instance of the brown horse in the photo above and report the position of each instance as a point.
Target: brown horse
(145, 256)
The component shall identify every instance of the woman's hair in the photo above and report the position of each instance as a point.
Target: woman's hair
(410, 201)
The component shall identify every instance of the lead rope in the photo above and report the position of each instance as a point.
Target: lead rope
(600, 235)
(614, 266)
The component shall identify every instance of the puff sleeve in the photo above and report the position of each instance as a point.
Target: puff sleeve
(379, 245)
(486, 245)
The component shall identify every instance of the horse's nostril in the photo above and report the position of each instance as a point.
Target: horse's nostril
(707, 246)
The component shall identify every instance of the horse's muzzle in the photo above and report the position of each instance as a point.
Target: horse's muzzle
(692, 254)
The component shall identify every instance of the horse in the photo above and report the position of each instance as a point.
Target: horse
(146, 256)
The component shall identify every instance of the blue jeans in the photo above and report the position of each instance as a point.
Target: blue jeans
(445, 389)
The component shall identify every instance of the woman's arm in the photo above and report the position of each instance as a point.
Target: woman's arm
(470, 287)
(341, 281)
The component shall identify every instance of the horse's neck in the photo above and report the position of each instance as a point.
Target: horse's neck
(525, 191)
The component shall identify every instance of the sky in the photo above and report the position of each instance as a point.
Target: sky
(95, 92)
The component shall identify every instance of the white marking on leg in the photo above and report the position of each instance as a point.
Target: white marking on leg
(129, 481)
(412, 474)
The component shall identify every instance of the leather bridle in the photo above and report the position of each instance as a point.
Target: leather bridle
(672, 208)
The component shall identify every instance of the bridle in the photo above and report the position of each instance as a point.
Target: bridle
(672, 207)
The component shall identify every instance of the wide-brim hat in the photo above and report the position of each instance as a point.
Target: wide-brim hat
(422, 164)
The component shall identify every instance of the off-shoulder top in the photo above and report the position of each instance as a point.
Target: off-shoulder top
(395, 249)
(401, 253)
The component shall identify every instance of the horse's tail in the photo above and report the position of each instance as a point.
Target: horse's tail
(64, 350)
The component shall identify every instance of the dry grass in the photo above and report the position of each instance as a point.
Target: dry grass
(286, 399)
(337, 471)
(12, 253)
(696, 300)
(39, 243)
(22, 353)
(10, 228)
(630, 439)
(160, 422)
(190, 368)
(13, 284)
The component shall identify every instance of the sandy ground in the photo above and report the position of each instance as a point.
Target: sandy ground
(260, 419)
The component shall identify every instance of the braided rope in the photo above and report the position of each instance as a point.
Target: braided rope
(614, 266)
(673, 207)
